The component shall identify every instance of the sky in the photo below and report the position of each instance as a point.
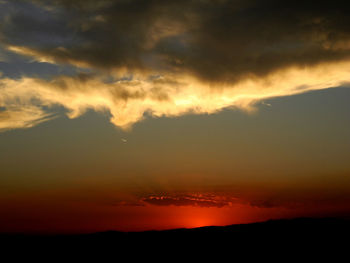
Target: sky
(136, 115)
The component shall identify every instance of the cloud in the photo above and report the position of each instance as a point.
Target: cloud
(220, 41)
(128, 101)
(170, 58)
(189, 199)
(269, 198)
(22, 117)
(128, 203)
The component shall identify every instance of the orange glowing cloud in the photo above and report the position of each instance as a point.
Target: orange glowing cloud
(26, 102)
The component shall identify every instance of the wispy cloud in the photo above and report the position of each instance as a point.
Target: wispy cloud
(189, 199)
(19, 117)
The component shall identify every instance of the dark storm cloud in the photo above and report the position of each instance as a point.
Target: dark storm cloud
(219, 41)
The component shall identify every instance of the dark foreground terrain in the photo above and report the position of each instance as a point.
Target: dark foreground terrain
(289, 235)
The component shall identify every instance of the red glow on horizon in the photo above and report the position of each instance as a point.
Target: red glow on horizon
(40, 217)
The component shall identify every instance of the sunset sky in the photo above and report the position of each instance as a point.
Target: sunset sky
(156, 114)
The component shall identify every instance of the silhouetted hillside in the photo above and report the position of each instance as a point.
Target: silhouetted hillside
(292, 233)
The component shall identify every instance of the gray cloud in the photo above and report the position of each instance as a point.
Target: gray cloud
(166, 58)
(213, 40)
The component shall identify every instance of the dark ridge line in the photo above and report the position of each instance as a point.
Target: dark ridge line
(234, 228)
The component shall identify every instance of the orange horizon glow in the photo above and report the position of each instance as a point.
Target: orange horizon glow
(133, 115)
(46, 220)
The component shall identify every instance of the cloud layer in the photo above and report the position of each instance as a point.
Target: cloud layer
(169, 58)
(189, 199)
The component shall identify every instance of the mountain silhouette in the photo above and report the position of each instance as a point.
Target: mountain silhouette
(273, 235)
